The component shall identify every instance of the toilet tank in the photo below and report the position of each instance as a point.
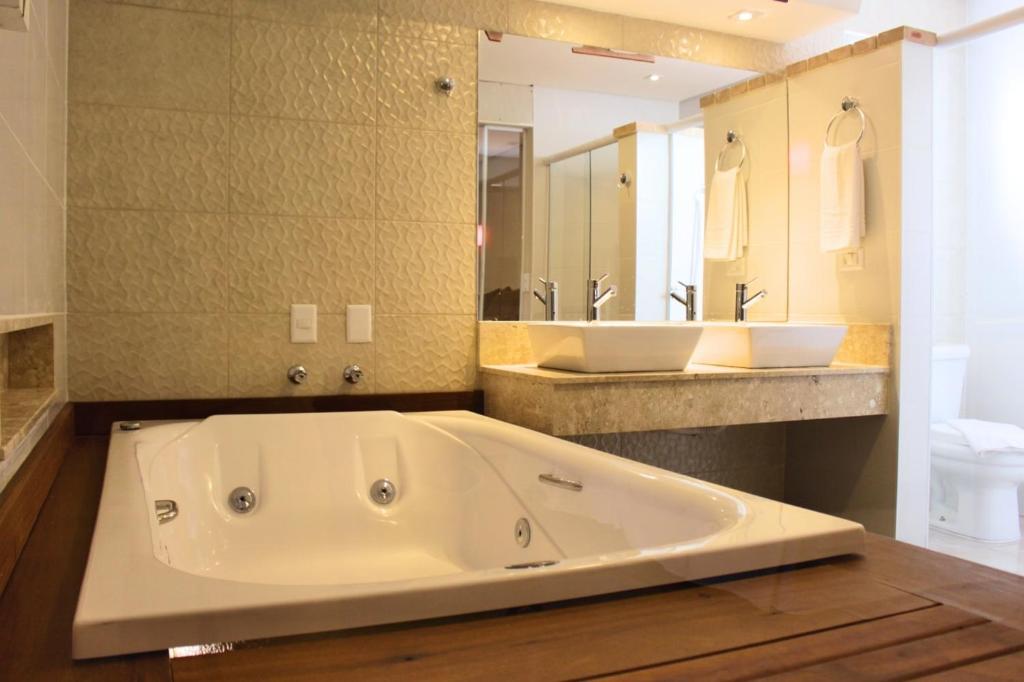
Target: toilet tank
(949, 367)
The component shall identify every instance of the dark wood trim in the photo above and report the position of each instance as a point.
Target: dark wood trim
(24, 495)
(94, 419)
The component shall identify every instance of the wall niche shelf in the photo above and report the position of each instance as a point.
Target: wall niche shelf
(27, 385)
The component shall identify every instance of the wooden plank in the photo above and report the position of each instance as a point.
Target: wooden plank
(574, 640)
(94, 419)
(1010, 667)
(37, 609)
(775, 657)
(994, 594)
(26, 492)
(921, 657)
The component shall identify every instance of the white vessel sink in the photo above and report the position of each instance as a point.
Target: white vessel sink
(758, 345)
(613, 346)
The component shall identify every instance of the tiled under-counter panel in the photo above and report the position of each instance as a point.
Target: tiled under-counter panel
(751, 458)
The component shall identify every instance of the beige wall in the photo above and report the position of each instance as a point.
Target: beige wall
(760, 118)
(819, 290)
(227, 159)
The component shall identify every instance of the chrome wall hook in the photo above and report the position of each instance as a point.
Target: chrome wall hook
(297, 374)
(445, 84)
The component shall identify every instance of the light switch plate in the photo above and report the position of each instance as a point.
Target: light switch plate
(303, 323)
(359, 324)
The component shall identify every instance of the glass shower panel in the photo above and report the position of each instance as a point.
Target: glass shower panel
(610, 250)
(569, 233)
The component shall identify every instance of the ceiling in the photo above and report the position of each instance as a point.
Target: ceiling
(779, 22)
(547, 63)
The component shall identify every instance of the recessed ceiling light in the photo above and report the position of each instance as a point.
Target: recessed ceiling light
(745, 15)
(653, 77)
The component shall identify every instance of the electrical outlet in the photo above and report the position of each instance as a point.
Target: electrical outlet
(851, 260)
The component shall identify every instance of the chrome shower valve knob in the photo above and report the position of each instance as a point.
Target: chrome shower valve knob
(353, 374)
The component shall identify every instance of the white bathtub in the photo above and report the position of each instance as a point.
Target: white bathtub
(317, 553)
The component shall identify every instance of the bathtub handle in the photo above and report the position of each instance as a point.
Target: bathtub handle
(560, 482)
(166, 510)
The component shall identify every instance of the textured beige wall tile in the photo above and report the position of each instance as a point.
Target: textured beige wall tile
(306, 72)
(277, 261)
(408, 95)
(261, 353)
(120, 54)
(568, 24)
(504, 343)
(207, 6)
(301, 168)
(694, 44)
(426, 268)
(142, 261)
(135, 357)
(425, 353)
(444, 20)
(355, 15)
(426, 176)
(147, 158)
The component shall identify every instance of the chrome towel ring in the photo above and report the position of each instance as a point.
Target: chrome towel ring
(849, 103)
(731, 138)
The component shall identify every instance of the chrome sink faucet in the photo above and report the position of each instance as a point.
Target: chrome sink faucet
(743, 303)
(596, 299)
(549, 299)
(688, 299)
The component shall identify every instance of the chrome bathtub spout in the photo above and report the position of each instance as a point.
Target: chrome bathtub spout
(549, 299)
(743, 303)
(688, 299)
(596, 299)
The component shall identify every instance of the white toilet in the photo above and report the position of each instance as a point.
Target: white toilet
(972, 495)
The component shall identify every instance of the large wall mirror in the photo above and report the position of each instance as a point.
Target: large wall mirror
(595, 166)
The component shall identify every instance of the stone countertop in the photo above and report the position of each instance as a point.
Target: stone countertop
(563, 403)
(693, 372)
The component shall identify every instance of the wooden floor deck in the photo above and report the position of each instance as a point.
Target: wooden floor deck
(898, 612)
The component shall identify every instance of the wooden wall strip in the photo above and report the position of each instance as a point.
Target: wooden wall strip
(94, 419)
(24, 495)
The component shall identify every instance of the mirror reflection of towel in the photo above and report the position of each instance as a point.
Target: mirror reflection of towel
(842, 198)
(725, 231)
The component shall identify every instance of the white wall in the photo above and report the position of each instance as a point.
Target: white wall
(995, 220)
(33, 106)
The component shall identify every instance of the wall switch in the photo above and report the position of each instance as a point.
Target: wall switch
(359, 324)
(303, 324)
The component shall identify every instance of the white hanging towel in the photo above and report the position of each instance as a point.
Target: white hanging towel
(842, 198)
(725, 231)
(989, 436)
